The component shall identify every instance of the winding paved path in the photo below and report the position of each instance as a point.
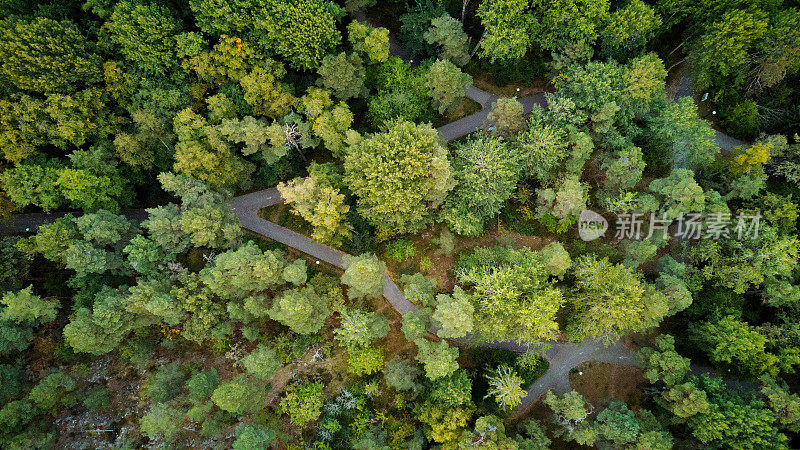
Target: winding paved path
(562, 357)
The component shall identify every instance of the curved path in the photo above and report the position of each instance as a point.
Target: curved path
(562, 357)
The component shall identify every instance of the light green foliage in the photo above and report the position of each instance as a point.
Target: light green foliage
(372, 43)
(145, 34)
(256, 136)
(677, 292)
(319, 203)
(560, 23)
(454, 313)
(296, 272)
(624, 170)
(401, 375)
(52, 391)
(301, 309)
(262, 362)
(45, 55)
(439, 358)
(680, 193)
(447, 84)
(735, 420)
(253, 437)
(215, 227)
(416, 324)
(329, 121)
(203, 154)
(163, 385)
(238, 273)
(418, 288)
(302, 31)
(571, 411)
(780, 212)
(34, 183)
(303, 402)
(532, 435)
(363, 275)
(264, 91)
(239, 395)
(618, 424)
(364, 360)
(508, 116)
(723, 49)
(508, 26)
(566, 199)
(489, 432)
(678, 129)
(556, 259)
(358, 328)
(730, 340)
(344, 75)
(102, 328)
(202, 384)
(24, 306)
(16, 414)
(513, 298)
(543, 145)
(628, 29)
(506, 387)
(785, 404)
(447, 34)
(663, 363)
(162, 419)
(486, 170)
(610, 300)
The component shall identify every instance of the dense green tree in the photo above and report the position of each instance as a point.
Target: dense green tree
(486, 171)
(680, 193)
(507, 116)
(358, 328)
(447, 84)
(145, 34)
(399, 175)
(508, 29)
(235, 274)
(663, 363)
(418, 288)
(416, 23)
(439, 358)
(506, 387)
(688, 139)
(301, 31)
(571, 411)
(512, 296)
(401, 375)
(265, 92)
(303, 402)
(24, 306)
(560, 23)
(447, 34)
(45, 55)
(262, 362)
(372, 43)
(52, 391)
(730, 340)
(532, 435)
(344, 75)
(239, 395)
(363, 275)
(454, 313)
(321, 204)
(628, 29)
(253, 437)
(556, 259)
(301, 309)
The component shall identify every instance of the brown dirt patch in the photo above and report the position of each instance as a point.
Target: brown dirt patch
(606, 381)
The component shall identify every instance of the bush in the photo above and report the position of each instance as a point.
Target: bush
(253, 437)
(263, 362)
(239, 396)
(742, 119)
(400, 250)
(202, 384)
(98, 398)
(162, 419)
(52, 391)
(303, 402)
(164, 385)
(364, 361)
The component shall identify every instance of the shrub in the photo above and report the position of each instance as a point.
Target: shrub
(202, 384)
(239, 395)
(53, 390)
(164, 385)
(400, 250)
(263, 362)
(162, 419)
(364, 361)
(253, 437)
(303, 402)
